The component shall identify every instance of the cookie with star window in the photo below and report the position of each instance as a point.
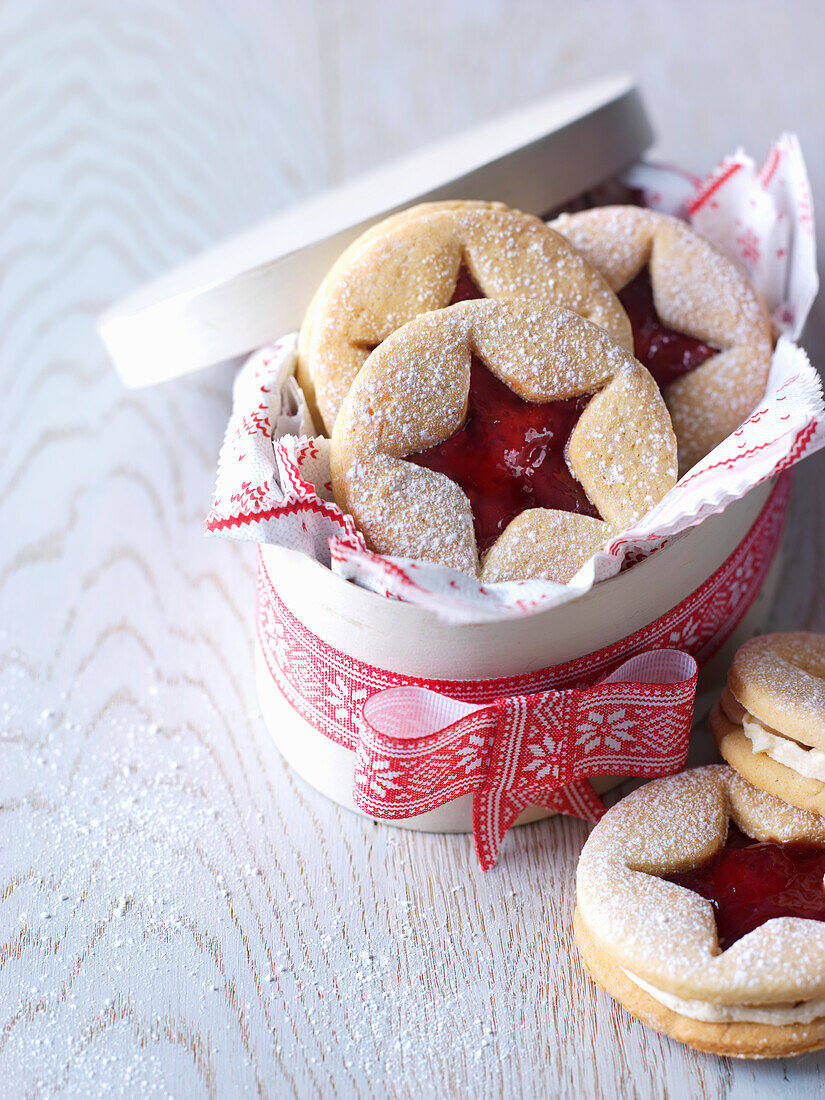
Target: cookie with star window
(506, 438)
(700, 908)
(699, 326)
(428, 257)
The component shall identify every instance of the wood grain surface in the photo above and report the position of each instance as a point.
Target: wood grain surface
(179, 915)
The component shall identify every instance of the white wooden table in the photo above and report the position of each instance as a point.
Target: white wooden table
(179, 915)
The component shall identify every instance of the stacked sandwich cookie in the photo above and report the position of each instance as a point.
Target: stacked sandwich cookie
(700, 899)
(770, 722)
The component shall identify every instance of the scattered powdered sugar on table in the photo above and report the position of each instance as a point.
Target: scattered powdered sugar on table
(178, 905)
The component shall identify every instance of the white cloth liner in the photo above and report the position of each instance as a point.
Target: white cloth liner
(273, 481)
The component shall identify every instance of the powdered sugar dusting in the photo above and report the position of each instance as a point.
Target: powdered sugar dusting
(544, 544)
(412, 393)
(410, 511)
(408, 265)
(615, 241)
(665, 933)
(780, 678)
(698, 291)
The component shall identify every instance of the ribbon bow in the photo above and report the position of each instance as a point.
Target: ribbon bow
(419, 749)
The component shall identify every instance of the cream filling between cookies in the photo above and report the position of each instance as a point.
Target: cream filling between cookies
(799, 758)
(801, 1012)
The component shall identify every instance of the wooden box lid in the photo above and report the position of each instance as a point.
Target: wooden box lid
(255, 286)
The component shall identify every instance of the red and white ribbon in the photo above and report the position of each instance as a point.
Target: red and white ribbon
(523, 749)
(518, 740)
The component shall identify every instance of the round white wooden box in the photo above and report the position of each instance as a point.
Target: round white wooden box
(410, 640)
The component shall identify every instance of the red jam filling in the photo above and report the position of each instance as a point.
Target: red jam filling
(465, 289)
(509, 455)
(750, 883)
(667, 354)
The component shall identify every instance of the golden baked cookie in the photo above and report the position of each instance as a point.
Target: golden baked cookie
(699, 325)
(770, 721)
(425, 258)
(508, 439)
(700, 908)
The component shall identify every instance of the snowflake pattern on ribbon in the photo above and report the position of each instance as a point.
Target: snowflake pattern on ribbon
(604, 730)
(542, 763)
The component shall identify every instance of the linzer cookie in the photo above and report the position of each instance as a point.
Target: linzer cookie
(770, 722)
(426, 258)
(700, 907)
(507, 439)
(699, 326)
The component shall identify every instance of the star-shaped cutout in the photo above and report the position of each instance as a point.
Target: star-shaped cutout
(749, 883)
(666, 353)
(465, 289)
(509, 454)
